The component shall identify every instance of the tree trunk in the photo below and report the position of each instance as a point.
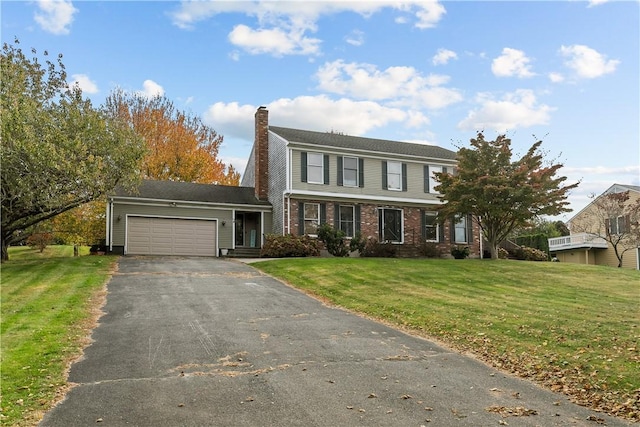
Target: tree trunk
(5, 250)
(493, 248)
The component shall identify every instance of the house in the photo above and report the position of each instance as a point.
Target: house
(294, 181)
(587, 244)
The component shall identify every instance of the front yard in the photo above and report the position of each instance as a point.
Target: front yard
(572, 328)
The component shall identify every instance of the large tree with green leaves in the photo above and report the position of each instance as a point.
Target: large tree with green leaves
(58, 151)
(501, 193)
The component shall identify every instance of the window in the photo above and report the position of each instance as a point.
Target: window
(350, 171)
(390, 225)
(311, 218)
(617, 225)
(460, 229)
(315, 168)
(430, 181)
(346, 220)
(431, 232)
(394, 176)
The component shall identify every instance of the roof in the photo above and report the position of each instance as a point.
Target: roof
(191, 192)
(617, 188)
(328, 139)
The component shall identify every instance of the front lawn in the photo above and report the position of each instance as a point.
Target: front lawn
(48, 302)
(572, 328)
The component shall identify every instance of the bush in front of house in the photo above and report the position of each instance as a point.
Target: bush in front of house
(373, 248)
(460, 252)
(277, 246)
(530, 254)
(503, 253)
(333, 240)
(429, 250)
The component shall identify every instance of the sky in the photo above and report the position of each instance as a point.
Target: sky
(428, 72)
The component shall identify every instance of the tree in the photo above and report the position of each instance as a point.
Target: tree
(180, 146)
(58, 152)
(83, 225)
(502, 194)
(614, 217)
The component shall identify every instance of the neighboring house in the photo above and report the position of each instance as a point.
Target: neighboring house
(586, 243)
(294, 181)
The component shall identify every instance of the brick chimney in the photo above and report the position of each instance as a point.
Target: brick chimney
(261, 153)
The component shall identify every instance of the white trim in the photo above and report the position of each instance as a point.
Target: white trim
(334, 196)
(187, 204)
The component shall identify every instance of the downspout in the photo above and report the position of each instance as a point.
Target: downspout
(481, 238)
(110, 224)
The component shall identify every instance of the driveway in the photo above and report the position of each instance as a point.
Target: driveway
(209, 342)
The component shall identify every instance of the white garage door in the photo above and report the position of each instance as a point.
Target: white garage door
(171, 236)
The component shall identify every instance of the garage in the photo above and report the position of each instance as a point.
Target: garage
(171, 236)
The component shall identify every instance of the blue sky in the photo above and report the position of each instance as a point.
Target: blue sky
(426, 72)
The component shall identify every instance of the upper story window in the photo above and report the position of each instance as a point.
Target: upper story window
(430, 181)
(350, 171)
(314, 168)
(394, 176)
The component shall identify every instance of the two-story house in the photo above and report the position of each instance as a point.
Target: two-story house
(294, 181)
(598, 225)
(379, 188)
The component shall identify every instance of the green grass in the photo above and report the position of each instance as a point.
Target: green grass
(47, 301)
(572, 328)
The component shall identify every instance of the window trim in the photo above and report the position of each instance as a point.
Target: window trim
(435, 226)
(344, 169)
(398, 174)
(314, 167)
(353, 219)
(305, 219)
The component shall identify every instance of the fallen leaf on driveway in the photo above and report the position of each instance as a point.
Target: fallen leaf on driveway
(517, 411)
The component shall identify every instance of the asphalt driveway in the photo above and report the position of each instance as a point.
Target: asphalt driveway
(209, 342)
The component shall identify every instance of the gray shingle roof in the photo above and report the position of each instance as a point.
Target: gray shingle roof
(187, 191)
(328, 139)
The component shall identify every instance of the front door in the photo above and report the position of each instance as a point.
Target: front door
(239, 229)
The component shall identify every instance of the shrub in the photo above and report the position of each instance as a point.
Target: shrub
(357, 243)
(429, 250)
(460, 252)
(40, 240)
(277, 246)
(333, 240)
(373, 248)
(503, 253)
(530, 254)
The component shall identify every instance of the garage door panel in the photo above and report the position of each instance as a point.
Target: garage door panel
(171, 236)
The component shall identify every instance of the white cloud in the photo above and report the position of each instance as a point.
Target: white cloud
(443, 56)
(319, 113)
(593, 3)
(519, 109)
(55, 16)
(512, 62)
(556, 77)
(283, 27)
(85, 83)
(273, 41)
(355, 38)
(151, 89)
(586, 62)
(397, 85)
